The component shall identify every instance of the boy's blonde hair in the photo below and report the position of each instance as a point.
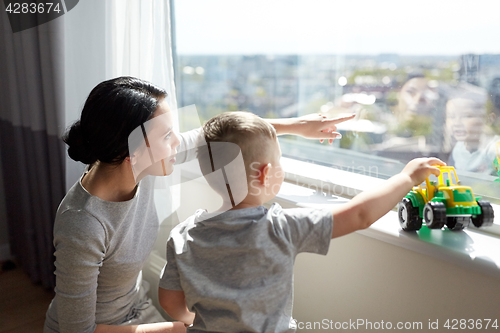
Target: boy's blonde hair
(253, 135)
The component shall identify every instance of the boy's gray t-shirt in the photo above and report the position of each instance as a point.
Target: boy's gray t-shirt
(236, 268)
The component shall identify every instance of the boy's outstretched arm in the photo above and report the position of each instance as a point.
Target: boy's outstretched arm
(367, 207)
(174, 304)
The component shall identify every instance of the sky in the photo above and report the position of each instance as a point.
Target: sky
(418, 27)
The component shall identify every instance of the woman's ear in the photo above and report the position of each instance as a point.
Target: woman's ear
(264, 174)
(132, 159)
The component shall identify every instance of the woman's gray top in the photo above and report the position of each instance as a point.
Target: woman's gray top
(101, 247)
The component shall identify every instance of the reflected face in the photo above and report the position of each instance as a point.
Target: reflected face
(156, 156)
(465, 120)
(416, 97)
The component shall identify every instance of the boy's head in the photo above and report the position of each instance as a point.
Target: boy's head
(466, 114)
(231, 132)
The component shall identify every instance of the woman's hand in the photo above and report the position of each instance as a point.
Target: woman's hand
(311, 126)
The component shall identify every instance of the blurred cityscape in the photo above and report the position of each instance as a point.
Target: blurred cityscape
(404, 104)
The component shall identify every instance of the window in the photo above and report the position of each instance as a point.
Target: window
(423, 80)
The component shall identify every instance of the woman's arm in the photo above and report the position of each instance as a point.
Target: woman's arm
(188, 146)
(79, 241)
(174, 303)
(311, 126)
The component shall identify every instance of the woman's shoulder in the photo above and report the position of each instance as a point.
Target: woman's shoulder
(79, 201)
(74, 213)
(79, 224)
(76, 195)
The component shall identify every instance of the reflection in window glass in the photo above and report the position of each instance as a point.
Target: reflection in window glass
(420, 81)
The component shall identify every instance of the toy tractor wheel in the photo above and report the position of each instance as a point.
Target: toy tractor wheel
(408, 216)
(456, 223)
(435, 215)
(485, 219)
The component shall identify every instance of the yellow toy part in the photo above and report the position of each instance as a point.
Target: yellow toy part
(447, 186)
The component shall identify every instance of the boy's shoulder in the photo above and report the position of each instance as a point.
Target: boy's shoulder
(274, 214)
(273, 211)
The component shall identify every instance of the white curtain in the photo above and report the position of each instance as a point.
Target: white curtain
(140, 45)
(139, 42)
(111, 38)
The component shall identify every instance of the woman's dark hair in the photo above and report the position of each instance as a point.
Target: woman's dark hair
(112, 111)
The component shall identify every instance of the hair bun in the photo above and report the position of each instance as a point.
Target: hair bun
(79, 148)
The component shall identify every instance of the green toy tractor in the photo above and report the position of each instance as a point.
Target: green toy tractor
(443, 203)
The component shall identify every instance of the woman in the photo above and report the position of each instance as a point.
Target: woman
(106, 225)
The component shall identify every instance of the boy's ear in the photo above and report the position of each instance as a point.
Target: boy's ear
(264, 173)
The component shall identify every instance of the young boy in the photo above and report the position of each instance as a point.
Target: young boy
(469, 124)
(233, 272)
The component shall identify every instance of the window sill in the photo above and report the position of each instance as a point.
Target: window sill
(472, 248)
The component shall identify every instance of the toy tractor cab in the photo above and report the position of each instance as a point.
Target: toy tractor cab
(444, 202)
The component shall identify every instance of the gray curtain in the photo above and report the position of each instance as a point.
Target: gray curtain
(31, 121)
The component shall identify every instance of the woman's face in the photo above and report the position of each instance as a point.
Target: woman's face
(465, 121)
(156, 156)
(416, 97)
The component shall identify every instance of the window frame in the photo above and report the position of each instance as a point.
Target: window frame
(324, 179)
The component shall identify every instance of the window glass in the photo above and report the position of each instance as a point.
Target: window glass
(422, 78)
